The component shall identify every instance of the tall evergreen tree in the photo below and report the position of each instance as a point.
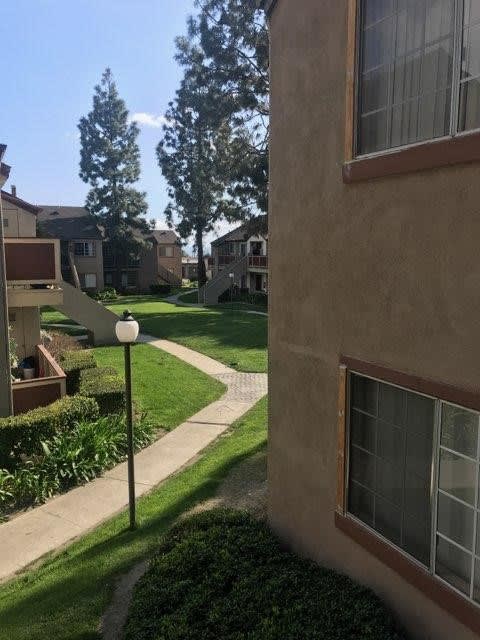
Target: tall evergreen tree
(227, 42)
(193, 161)
(110, 164)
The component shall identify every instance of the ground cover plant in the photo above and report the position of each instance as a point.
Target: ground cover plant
(70, 458)
(66, 596)
(223, 574)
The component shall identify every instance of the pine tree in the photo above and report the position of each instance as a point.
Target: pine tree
(228, 42)
(110, 164)
(192, 159)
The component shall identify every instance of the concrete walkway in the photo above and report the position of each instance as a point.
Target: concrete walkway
(28, 537)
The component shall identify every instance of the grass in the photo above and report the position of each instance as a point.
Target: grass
(237, 339)
(189, 298)
(169, 390)
(66, 596)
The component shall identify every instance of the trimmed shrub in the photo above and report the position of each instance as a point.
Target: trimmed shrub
(222, 574)
(22, 435)
(73, 362)
(162, 289)
(107, 295)
(106, 387)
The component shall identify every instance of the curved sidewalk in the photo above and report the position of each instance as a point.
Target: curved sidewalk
(39, 531)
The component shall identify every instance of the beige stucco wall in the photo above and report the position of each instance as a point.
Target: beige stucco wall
(387, 271)
(25, 324)
(93, 264)
(21, 223)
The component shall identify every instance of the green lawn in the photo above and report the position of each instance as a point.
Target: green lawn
(236, 338)
(191, 297)
(233, 337)
(169, 390)
(66, 596)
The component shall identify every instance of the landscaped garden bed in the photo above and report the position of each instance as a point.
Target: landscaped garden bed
(223, 574)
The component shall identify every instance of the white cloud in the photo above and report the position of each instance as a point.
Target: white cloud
(148, 119)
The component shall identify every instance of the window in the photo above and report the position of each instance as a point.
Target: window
(418, 71)
(165, 252)
(108, 278)
(85, 249)
(129, 279)
(413, 477)
(90, 280)
(5, 223)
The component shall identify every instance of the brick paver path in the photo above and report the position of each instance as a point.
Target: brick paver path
(28, 537)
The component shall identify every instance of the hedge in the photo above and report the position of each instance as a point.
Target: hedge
(23, 434)
(73, 362)
(160, 289)
(106, 387)
(222, 574)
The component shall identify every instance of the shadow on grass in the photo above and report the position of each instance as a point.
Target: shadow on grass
(76, 586)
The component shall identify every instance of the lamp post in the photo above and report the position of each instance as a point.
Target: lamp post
(127, 332)
(232, 277)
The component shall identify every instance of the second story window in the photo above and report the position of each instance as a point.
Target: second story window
(165, 252)
(418, 71)
(85, 249)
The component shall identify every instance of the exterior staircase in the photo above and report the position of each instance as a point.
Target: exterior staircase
(168, 276)
(89, 313)
(210, 293)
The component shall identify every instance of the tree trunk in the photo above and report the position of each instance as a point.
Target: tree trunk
(72, 265)
(202, 272)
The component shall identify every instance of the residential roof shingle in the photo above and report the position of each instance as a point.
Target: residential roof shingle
(69, 223)
(165, 236)
(239, 234)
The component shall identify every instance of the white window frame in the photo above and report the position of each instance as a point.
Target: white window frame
(434, 489)
(455, 98)
(91, 276)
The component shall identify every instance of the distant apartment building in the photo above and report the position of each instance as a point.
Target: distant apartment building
(81, 241)
(160, 263)
(239, 258)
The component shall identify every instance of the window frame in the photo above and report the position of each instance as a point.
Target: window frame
(457, 147)
(422, 577)
(84, 243)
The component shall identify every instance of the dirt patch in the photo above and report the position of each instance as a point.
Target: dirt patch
(244, 488)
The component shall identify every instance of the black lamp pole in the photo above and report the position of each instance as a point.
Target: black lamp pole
(131, 453)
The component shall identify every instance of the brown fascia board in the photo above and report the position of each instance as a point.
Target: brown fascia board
(19, 202)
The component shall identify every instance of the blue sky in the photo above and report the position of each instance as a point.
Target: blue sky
(53, 53)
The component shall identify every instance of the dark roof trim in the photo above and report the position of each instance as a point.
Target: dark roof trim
(19, 202)
(4, 170)
(3, 148)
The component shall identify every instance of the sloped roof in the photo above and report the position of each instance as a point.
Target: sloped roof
(239, 234)
(165, 236)
(26, 206)
(69, 223)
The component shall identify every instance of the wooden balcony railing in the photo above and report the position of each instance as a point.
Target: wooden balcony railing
(32, 261)
(48, 386)
(260, 262)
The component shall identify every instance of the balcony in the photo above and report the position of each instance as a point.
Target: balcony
(33, 269)
(48, 385)
(258, 262)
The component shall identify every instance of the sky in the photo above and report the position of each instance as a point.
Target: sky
(53, 53)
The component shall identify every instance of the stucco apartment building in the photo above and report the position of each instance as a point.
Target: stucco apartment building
(374, 445)
(33, 279)
(81, 237)
(84, 240)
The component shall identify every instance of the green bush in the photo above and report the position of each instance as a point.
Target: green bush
(73, 362)
(222, 574)
(106, 387)
(21, 436)
(70, 458)
(162, 289)
(109, 294)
